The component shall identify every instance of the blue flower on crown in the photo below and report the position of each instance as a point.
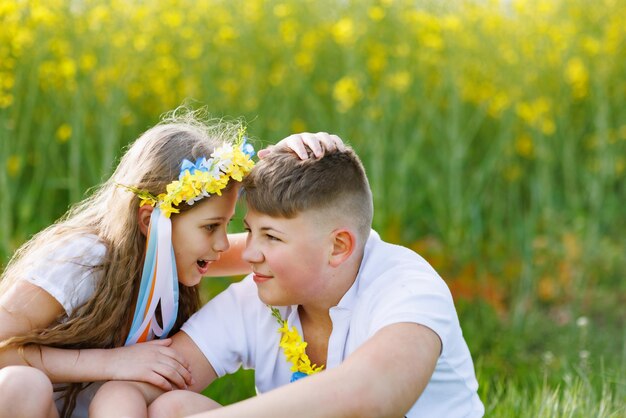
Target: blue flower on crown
(187, 165)
(247, 149)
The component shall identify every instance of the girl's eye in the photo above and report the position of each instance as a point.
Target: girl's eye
(211, 227)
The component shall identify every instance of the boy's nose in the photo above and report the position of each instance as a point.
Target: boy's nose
(251, 254)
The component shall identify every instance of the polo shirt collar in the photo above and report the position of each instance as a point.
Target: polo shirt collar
(349, 298)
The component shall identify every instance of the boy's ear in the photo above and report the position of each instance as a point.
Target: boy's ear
(344, 242)
(143, 218)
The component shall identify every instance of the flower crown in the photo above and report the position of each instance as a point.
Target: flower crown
(202, 179)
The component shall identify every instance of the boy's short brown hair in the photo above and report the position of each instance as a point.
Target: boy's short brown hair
(282, 185)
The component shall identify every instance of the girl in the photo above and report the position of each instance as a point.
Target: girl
(79, 283)
(106, 275)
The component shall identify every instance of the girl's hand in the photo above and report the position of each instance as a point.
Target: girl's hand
(152, 362)
(318, 143)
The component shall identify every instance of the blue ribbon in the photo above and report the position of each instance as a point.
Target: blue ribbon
(166, 281)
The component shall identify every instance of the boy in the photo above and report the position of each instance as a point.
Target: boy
(376, 315)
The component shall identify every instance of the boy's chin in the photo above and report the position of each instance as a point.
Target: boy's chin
(273, 301)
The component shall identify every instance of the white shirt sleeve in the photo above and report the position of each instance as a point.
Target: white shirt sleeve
(224, 328)
(70, 272)
(419, 298)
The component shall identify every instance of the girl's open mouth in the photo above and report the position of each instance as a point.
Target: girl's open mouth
(203, 265)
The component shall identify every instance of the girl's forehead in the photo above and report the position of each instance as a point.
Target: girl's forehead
(213, 207)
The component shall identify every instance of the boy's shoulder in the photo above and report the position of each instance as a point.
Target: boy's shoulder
(381, 258)
(390, 271)
(395, 284)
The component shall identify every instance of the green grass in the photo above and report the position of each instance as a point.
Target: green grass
(574, 397)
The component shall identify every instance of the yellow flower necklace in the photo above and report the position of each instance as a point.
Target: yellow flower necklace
(294, 348)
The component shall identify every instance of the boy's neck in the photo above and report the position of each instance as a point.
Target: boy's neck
(316, 330)
(318, 311)
(314, 317)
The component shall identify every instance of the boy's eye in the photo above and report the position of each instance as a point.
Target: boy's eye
(271, 237)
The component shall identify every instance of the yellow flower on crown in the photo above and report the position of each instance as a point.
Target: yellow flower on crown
(203, 178)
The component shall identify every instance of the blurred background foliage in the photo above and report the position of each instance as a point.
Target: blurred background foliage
(493, 133)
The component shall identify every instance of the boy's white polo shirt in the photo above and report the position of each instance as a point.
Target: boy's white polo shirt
(394, 284)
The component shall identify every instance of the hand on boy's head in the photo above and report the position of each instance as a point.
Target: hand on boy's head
(318, 143)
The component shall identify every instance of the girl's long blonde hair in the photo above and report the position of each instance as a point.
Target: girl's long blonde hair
(151, 163)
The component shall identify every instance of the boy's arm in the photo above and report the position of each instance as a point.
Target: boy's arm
(25, 307)
(202, 371)
(121, 398)
(384, 377)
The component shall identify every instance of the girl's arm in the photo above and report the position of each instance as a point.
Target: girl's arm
(130, 399)
(25, 307)
(318, 143)
(231, 262)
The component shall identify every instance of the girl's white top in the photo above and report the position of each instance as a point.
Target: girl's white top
(69, 273)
